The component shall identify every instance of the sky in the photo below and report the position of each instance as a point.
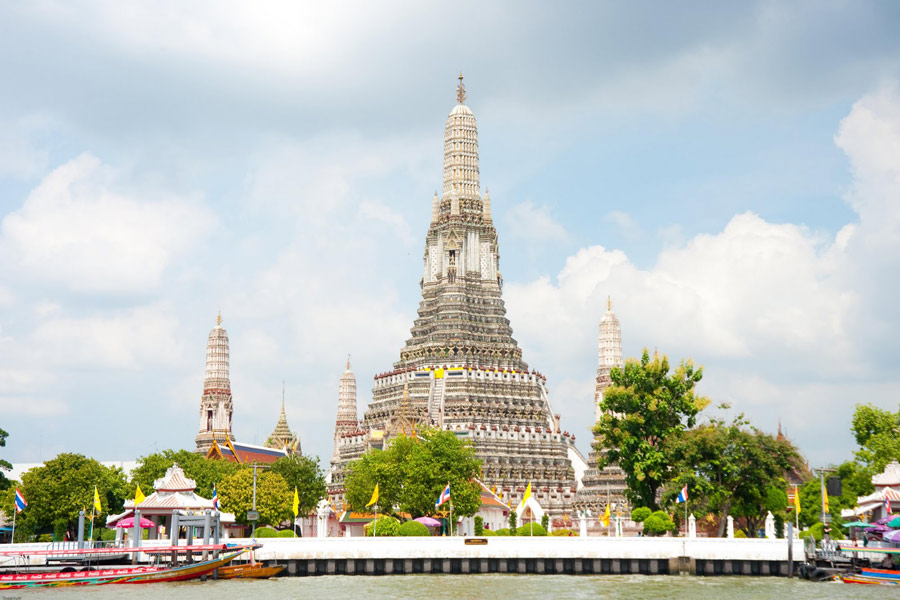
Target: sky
(728, 173)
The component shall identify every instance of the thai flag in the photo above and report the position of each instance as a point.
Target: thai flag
(20, 501)
(215, 498)
(445, 496)
(887, 503)
(682, 496)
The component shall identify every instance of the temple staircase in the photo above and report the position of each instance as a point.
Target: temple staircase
(436, 402)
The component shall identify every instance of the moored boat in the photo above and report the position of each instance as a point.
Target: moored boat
(249, 571)
(134, 575)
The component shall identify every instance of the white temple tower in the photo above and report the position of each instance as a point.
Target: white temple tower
(609, 354)
(215, 405)
(606, 485)
(461, 370)
(346, 415)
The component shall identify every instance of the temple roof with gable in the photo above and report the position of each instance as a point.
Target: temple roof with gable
(242, 453)
(889, 477)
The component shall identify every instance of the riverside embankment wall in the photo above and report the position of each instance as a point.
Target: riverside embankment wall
(552, 555)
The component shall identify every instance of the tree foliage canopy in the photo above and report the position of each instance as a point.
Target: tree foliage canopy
(273, 497)
(732, 467)
(877, 431)
(64, 485)
(204, 471)
(4, 465)
(412, 472)
(644, 408)
(304, 474)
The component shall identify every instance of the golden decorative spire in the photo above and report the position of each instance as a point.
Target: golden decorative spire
(461, 90)
(348, 362)
(219, 318)
(609, 303)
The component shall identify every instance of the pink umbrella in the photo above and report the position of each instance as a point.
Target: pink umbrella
(428, 522)
(129, 523)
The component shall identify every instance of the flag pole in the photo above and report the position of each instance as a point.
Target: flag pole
(12, 538)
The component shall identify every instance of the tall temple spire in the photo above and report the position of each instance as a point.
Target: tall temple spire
(461, 160)
(461, 370)
(609, 353)
(347, 420)
(216, 403)
(461, 90)
(600, 486)
(282, 437)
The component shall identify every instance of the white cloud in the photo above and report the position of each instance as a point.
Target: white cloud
(529, 221)
(79, 229)
(131, 339)
(801, 313)
(625, 222)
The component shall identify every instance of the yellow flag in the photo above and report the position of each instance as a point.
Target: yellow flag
(138, 496)
(296, 504)
(606, 516)
(374, 497)
(527, 493)
(797, 499)
(825, 500)
(97, 506)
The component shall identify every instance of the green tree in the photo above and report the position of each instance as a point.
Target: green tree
(304, 474)
(57, 490)
(732, 467)
(4, 465)
(640, 513)
(877, 431)
(273, 497)
(202, 470)
(412, 472)
(658, 523)
(644, 408)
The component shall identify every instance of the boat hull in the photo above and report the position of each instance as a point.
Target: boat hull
(257, 571)
(133, 575)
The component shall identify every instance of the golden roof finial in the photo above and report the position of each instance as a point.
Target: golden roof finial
(219, 318)
(348, 361)
(609, 303)
(461, 90)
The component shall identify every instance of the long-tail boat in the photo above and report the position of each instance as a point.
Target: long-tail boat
(142, 574)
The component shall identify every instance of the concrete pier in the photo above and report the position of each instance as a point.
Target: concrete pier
(540, 555)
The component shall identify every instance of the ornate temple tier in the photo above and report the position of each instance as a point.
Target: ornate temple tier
(461, 370)
(216, 401)
(606, 485)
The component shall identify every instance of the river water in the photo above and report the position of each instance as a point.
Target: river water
(472, 587)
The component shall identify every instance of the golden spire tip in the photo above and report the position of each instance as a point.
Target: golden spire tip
(461, 90)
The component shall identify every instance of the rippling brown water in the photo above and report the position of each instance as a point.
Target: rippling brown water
(465, 587)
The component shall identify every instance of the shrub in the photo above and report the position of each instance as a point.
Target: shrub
(531, 529)
(266, 532)
(513, 519)
(479, 525)
(45, 537)
(563, 532)
(286, 533)
(658, 523)
(108, 535)
(740, 533)
(503, 532)
(384, 527)
(488, 533)
(818, 532)
(640, 513)
(412, 529)
(545, 521)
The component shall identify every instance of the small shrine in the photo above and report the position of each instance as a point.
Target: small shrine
(174, 491)
(884, 500)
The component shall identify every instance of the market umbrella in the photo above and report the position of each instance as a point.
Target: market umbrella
(857, 524)
(894, 523)
(428, 522)
(129, 523)
(893, 536)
